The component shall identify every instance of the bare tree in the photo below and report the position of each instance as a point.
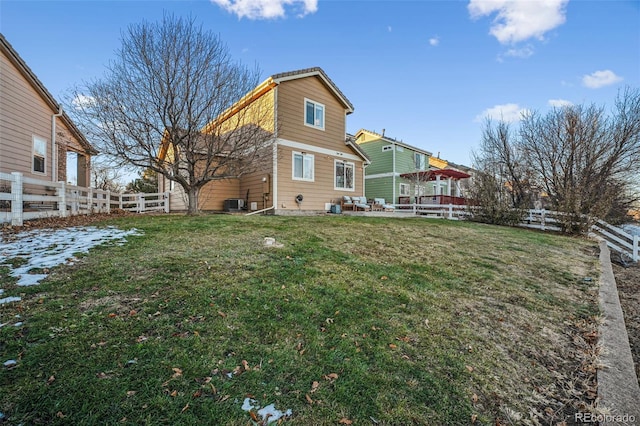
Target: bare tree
(502, 185)
(583, 160)
(167, 104)
(106, 177)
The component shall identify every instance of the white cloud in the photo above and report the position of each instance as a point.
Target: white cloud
(523, 52)
(559, 103)
(267, 9)
(600, 79)
(434, 41)
(507, 112)
(519, 20)
(82, 101)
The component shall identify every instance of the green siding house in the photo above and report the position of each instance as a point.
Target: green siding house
(404, 174)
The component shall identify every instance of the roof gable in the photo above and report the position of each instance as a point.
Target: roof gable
(32, 79)
(315, 72)
(387, 139)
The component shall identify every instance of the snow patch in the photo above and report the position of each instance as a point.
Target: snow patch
(41, 249)
(268, 413)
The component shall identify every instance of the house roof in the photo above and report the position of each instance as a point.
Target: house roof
(393, 141)
(431, 174)
(30, 76)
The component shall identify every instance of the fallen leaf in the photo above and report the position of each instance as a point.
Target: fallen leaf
(314, 386)
(474, 398)
(245, 365)
(345, 421)
(309, 400)
(60, 415)
(197, 394)
(474, 417)
(384, 277)
(331, 376)
(112, 315)
(392, 346)
(131, 393)
(51, 380)
(132, 312)
(185, 408)
(174, 393)
(176, 372)
(222, 314)
(253, 416)
(469, 369)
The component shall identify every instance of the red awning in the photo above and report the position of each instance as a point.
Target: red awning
(431, 174)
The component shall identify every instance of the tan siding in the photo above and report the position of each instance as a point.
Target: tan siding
(260, 192)
(291, 95)
(213, 194)
(23, 114)
(315, 193)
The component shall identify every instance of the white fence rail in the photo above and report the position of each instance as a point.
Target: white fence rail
(446, 211)
(23, 198)
(617, 239)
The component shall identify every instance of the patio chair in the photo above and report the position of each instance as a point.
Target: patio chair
(381, 204)
(361, 203)
(346, 203)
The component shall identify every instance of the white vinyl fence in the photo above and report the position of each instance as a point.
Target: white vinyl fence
(23, 198)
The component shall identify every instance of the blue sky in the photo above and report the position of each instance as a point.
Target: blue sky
(426, 71)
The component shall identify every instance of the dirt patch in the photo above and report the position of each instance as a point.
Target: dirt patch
(628, 283)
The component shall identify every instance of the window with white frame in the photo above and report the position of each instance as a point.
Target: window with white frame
(313, 114)
(344, 173)
(387, 148)
(420, 161)
(39, 155)
(404, 189)
(302, 166)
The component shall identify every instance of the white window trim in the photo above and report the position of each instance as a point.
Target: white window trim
(293, 166)
(33, 154)
(324, 114)
(406, 193)
(353, 166)
(387, 148)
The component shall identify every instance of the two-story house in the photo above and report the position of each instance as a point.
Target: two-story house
(36, 135)
(309, 164)
(403, 174)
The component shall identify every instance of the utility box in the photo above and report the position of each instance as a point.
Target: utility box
(335, 208)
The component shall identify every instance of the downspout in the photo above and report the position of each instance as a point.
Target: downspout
(54, 147)
(274, 155)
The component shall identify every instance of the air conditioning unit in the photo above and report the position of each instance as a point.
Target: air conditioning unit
(233, 204)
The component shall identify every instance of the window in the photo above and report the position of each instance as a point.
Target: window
(404, 189)
(419, 191)
(387, 148)
(302, 166)
(313, 114)
(39, 155)
(344, 175)
(420, 161)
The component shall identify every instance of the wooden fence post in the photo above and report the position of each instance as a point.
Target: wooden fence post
(166, 202)
(17, 216)
(90, 200)
(450, 211)
(62, 202)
